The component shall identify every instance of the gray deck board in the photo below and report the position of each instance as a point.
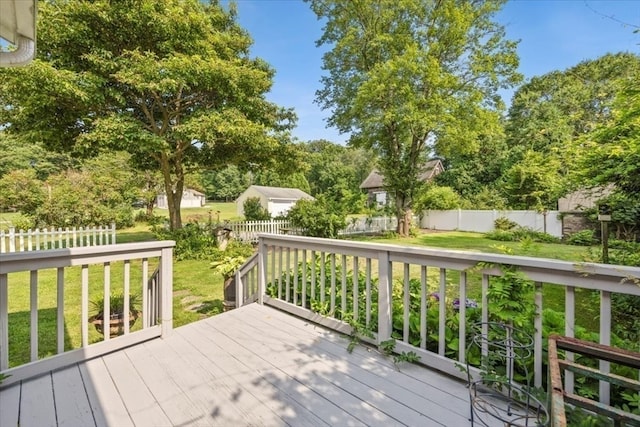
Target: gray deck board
(254, 366)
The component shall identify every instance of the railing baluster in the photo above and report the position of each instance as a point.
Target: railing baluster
(406, 304)
(303, 281)
(333, 284)
(367, 282)
(106, 317)
(146, 295)
(288, 280)
(323, 277)
(85, 306)
(537, 337)
(4, 322)
(60, 309)
(343, 289)
(485, 313)
(33, 293)
(443, 312)
(462, 312)
(280, 272)
(605, 339)
(295, 277)
(384, 297)
(126, 285)
(569, 330)
(423, 306)
(356, 290)
(313, 275)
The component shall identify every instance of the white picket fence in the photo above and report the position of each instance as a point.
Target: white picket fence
(56, 238)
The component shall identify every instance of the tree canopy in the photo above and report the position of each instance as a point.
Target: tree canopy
(410, 77)
(169, 81)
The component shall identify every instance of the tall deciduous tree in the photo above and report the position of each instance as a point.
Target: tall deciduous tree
(550, 112)
(170, 81)
(406, 77)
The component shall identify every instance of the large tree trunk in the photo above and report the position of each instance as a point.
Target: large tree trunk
(404, 215)
(173, 191)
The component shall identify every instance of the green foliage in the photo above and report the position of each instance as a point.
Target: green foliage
(438, 198)
(521, 234)
(226, 184)
(99, 194)
(253, 210)
(21, 190)
(504, 224)
(116, 305)
(3, 377)
(317, 218)
(408, 77)
(581, 238)
(533, 182)
(228, 265)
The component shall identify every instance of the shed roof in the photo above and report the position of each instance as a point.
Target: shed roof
(375, 178)
(281, 193)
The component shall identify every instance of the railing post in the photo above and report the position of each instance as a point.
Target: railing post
(166, 298)
(4, 323)
(384, 298)
(605, 339)
(263, 250)
(239, 290)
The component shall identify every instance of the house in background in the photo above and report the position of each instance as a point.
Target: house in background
(276, 200)
(190, 199)
(375, 186)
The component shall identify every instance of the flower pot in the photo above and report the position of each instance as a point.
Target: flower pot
(229, 294)
(116, 323)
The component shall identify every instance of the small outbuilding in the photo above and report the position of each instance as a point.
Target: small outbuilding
(190, 199)
(276, 200)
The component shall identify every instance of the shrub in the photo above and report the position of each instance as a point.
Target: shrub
(505, 224)
(581, 238)
(521, 233)
(317, 218)
(438, 198)
(253, 210)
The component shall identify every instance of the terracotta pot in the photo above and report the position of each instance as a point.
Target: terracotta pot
(116, 323)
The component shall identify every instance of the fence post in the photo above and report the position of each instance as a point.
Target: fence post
(166, 299)
(113, 233)
(384, 298)
(263, 250)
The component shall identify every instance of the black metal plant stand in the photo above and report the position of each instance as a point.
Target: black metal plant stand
(493, 392)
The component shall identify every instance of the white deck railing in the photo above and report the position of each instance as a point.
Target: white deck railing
(14, 240)
(72, 278)
(368, 279)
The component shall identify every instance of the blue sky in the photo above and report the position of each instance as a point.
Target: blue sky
(553, 34)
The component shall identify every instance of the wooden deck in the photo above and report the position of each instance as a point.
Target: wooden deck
(254, 366)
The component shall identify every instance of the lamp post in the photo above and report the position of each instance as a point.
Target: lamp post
(604, 216)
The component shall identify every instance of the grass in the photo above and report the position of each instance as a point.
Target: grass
(222, 211)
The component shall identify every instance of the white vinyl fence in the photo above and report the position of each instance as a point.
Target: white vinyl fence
(44, 239)
(483, 221)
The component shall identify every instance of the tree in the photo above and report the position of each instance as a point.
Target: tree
(534, 182)
(22, 191)
(226, 184)
(170, 81)
(253, 210)
(552, 111)
(410, 76)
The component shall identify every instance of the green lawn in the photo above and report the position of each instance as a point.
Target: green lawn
(215, 211)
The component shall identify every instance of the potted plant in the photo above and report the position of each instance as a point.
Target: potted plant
(227, 267)
(116, 313)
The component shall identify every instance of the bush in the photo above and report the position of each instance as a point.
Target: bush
(317, 218)
(521, 233)
(438, 198)
(505, 224)
(581, 238)
(253, 210)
